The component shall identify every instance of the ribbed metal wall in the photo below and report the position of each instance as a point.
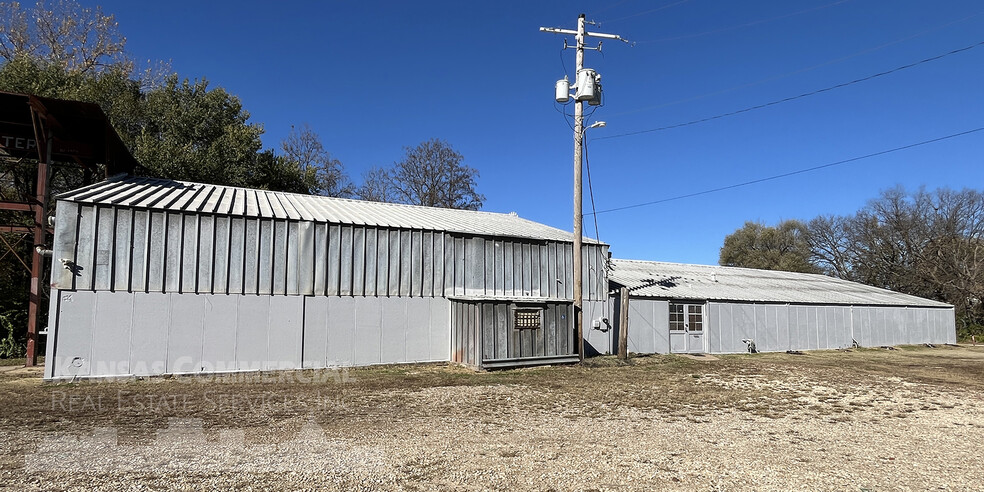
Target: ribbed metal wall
(483, 333)
(781, 327)
(124, 249)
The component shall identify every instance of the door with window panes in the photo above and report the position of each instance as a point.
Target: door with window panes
(686, 328)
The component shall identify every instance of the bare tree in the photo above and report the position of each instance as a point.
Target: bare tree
(432, 174)
(323, 174)
(78, 39)
(376, 186)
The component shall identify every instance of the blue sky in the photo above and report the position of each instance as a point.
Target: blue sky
(373, 77)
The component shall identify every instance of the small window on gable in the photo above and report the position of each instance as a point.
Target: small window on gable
(527, 318)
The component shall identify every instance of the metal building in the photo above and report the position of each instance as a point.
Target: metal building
(677, 308)
(162, 277)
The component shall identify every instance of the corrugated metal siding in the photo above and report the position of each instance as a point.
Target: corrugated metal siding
(123, 250)
(781, 327)
(483, 333)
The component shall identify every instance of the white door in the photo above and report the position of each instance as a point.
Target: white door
(686, 328)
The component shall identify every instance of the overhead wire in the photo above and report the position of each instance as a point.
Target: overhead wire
(793, 98)
(802, 70)
(587, 167)
(645, 12)
(747, 24)
(791, 173)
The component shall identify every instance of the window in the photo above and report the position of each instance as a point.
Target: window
(527, 319)
(695, 318)
(676, 317)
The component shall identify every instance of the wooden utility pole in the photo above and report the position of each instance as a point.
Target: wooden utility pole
(579, 36)
(623, 323)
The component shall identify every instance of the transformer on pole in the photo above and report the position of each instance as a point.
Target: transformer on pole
(588, 89)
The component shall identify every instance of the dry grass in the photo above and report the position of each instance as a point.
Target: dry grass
(386, 404)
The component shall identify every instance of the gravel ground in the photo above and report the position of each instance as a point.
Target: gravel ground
(870, 420)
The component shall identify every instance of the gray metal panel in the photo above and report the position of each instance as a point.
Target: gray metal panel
(768, 334)
(122, 244)
(744, 327)
(568, 270)
(293, 259)
(157, 252)
(508, 268)
(237, 256)
(220, 271)
(279, 258)
(406, 263)
(320, 259)
(315, 347)
(427, 264)
(359, 262)
(371, 260)
(449, 265)
(821, 316)
(382, 262)
(63, 244)
(947, 319)
(265, 260)
(474, 266)
(251, 258)
(544, 267)
(488, 275)
(103, 270)
(394, 341)
(189, 253)
(719, 326)
(527, 270)
(440, 329)
(284, 338)
(368, 328)
(74, 334)
(439, 264)
(416, 264)
(761, 325)
(334, 277)
(416, 327)
(341, 328)
(251, 332)
(148, 336)
(536, 272)
(111, 333)
(394, 263)
(141, 248)
(206, 253)
(459, 266)
(219, 339)
(554, 279)
(186, 331)
(347, 254)
(85, 254)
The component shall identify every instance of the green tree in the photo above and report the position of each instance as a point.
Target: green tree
(783, 247)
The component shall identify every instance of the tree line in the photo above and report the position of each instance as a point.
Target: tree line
(178, 128)
(924, 243)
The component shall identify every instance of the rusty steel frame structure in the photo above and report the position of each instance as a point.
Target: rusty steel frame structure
(52, 130)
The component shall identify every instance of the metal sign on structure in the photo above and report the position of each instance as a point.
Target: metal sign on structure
(52, 132)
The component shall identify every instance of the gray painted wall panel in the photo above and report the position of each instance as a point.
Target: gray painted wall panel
(122, 249)
(393, 339)
(74, 334)
(415, 322)
(284, 337)
(251, 332)
(206, 254)
(148, 333)
(63, 245)
(440, 335)
(315, 349)
(86, 248)
(189, 253)
(186, 331)
(220, 273)
(103, 267)
(294, 245)
(219, 338)
(359, 261)
(368, 330)
(341, 347)
(111, 334)
(347, 251)
(279, 258)
(156, 253)
(406, 263)
(370, 260)
(265, 240)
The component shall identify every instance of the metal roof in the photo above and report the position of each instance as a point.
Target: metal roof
(179, 196)
(707, 282)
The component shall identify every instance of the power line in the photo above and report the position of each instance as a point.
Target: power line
(594, 214)
(791, 173)
(803, 70)
(793, 98)
(747, 24)
(657, 9)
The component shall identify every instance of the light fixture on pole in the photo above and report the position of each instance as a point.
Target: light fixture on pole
(587, 85)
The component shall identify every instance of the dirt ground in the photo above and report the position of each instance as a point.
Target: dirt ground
(906, 419)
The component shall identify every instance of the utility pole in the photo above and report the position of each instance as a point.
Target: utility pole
(588, 89)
